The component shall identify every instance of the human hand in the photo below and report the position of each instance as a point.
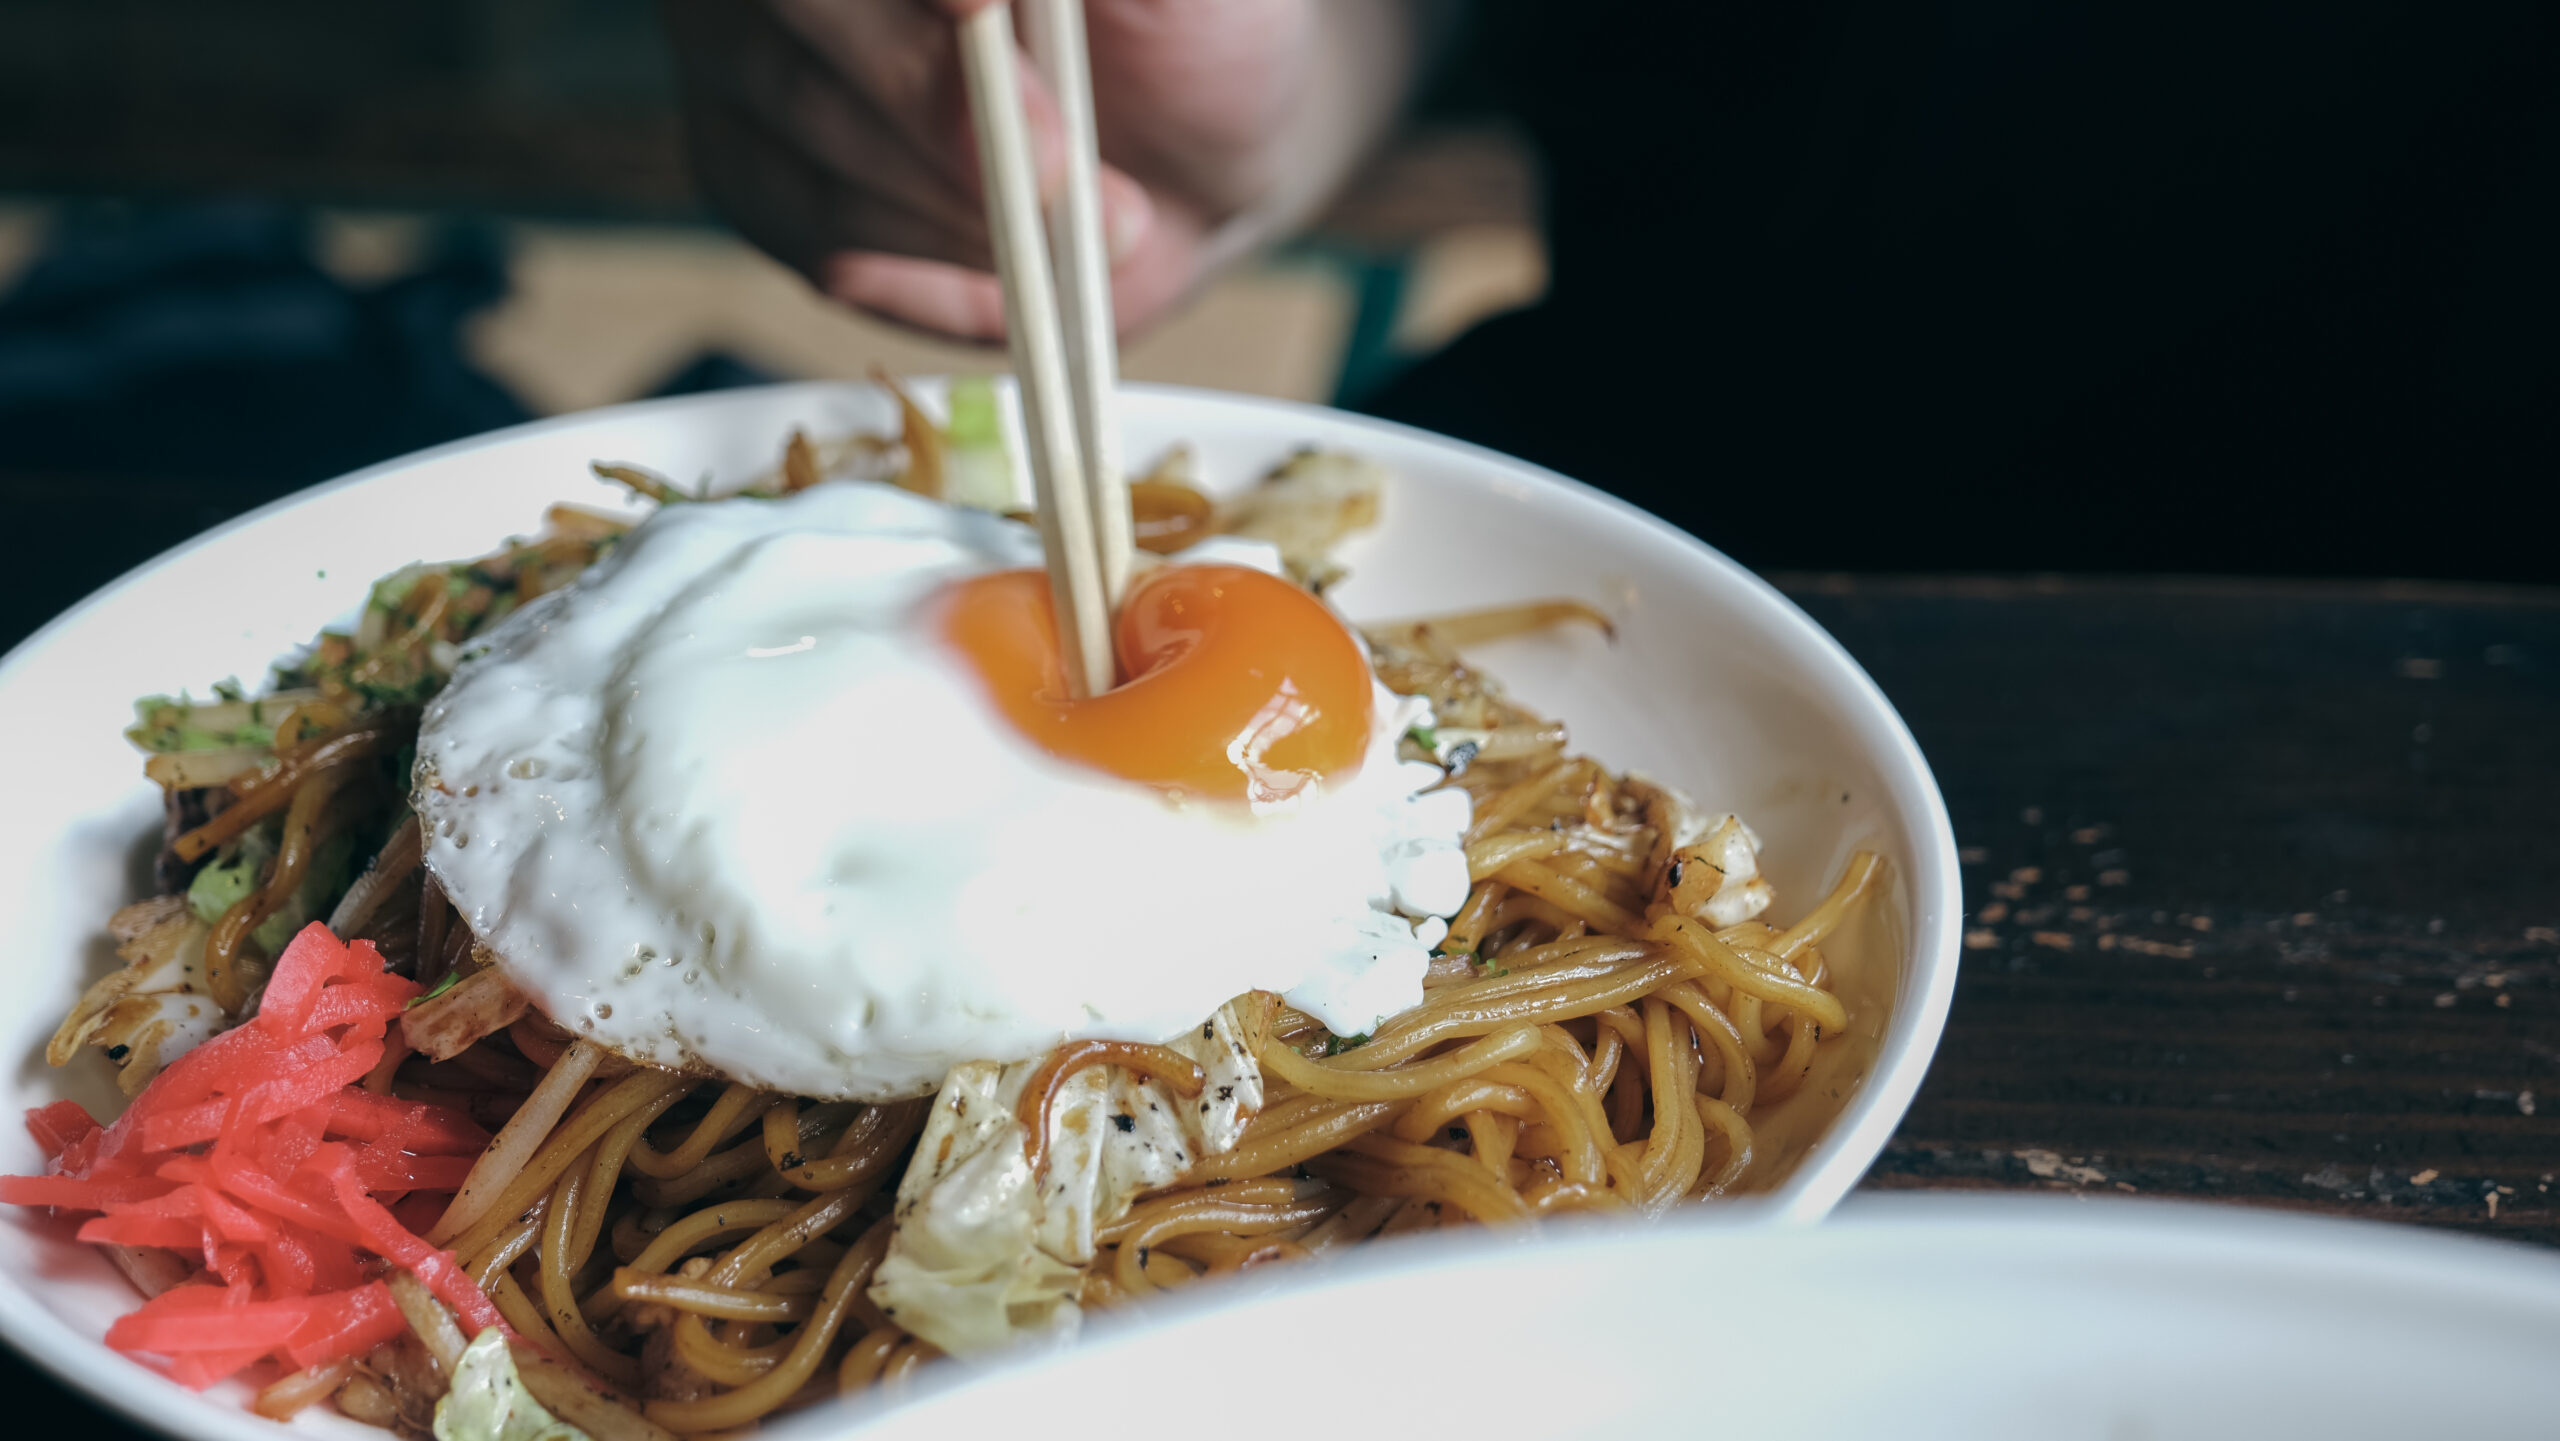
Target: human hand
(835, 134)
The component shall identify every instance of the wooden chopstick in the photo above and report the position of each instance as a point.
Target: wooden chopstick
(1053, 31)
(1067, 537)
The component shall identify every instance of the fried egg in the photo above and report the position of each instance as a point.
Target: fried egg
(789, 791)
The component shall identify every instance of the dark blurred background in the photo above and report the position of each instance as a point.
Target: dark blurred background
(247, 247)
(2255, 289)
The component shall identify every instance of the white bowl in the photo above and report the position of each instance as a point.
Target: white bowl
(1716, 684)
(1974, 1318)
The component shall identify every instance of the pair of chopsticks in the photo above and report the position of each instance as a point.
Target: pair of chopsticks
(1065, 356)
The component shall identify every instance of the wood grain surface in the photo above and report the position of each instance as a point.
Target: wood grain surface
(2262, 889)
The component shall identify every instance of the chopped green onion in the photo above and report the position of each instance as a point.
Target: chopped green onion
(451, 979)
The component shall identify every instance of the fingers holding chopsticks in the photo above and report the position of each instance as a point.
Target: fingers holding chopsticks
(835, 133)
(964, 301)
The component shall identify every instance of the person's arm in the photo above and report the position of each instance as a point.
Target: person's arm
(834, 133)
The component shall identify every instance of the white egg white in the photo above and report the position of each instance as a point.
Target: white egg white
(729, 803)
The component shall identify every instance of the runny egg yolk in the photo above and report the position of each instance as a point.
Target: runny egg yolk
(1236, 685)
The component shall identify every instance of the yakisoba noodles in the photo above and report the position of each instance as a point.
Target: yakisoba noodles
(675, 1252)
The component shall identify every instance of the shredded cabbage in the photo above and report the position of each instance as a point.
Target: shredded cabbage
(977, 470)
(488, 1400)
(233, 874)
(1307, 507)
(228, 879)
(331, 870)
(984, 1256)
(163, 723)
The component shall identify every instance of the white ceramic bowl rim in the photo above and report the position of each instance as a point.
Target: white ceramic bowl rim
(1995, 1315)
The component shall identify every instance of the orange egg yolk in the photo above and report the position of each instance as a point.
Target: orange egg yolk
(1235, 685)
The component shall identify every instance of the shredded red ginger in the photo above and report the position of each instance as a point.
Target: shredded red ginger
(259, 1152)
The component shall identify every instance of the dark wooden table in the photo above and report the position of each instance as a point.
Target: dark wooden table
(2263, 889)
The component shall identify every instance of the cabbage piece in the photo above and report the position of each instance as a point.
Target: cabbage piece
(171, 724)
(1736, 891)
(1314, 501)
(330, 872)
(231, 875)
(488, 1400)
(983, 1256)
(977, 469)
(235, 872)
(1715, 874)
(963, 1270)
(152, 1011)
